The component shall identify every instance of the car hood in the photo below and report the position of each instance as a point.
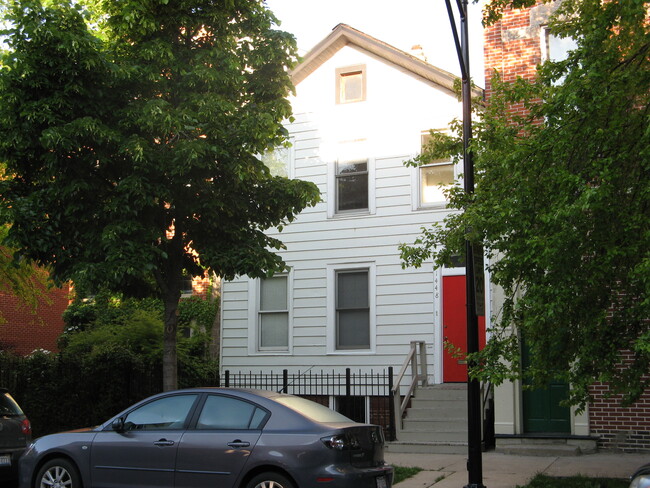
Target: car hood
(83, 429)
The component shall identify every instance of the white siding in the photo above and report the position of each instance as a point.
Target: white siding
(387, 126)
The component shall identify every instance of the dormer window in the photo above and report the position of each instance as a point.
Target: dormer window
(351, 84)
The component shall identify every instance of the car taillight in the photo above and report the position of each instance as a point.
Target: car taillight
(26, 427)
(341, 442)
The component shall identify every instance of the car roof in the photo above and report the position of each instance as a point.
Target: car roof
(250, 391)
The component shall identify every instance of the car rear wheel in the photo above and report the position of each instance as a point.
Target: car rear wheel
(269, 480)
(58, 473)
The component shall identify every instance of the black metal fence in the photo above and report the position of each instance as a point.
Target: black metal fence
(350, 389)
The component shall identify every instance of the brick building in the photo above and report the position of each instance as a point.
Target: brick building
(24, 330)
(514, 47)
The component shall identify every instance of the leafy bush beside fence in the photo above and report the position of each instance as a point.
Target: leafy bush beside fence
(111, 357)
(62, 391)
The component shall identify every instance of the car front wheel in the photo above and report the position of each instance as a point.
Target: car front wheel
(58, 473)
(269, 480)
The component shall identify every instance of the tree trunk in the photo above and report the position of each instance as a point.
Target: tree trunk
(215, 343)
(170, 357)
(215, 336)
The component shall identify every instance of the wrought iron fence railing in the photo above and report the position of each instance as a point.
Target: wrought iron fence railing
(375, 386)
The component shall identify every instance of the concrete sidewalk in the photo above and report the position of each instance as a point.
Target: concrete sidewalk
(509, 471)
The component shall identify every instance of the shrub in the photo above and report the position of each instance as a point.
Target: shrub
(111, 357)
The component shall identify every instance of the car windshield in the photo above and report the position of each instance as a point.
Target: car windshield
(312, 410)
(8, 406)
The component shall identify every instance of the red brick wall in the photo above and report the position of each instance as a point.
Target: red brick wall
(620, 428)
(513, 48)
(201, 286)
(24, 330)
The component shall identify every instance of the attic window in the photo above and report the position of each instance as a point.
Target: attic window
(351, 84)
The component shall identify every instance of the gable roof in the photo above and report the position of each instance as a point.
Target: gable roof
(343, 35)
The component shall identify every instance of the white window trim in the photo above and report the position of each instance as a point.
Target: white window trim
(416, 184)
(291, 152)
(331, 306)
(341, 73)
(253, 318)
(291, 170)
(332, 196)
(544, 32)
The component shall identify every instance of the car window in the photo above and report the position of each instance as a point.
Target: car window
(222, 412)
(8, 405)
(164, 413)
(312, 410)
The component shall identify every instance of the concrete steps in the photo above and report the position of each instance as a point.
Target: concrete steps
(435, 422)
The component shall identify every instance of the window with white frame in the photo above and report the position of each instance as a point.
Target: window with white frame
(434, 178)
(273, 314)
(555, 48)
(187, 284)
(351, 84)
(352, 309)
(351, 185)
(279, 160)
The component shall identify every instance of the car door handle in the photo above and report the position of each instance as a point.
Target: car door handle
(237, 443)
(163, 442)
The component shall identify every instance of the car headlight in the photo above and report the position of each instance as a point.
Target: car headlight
(641, 481)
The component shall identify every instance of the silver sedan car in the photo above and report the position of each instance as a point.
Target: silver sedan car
(213, 437)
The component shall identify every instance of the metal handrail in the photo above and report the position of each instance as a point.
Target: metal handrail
(417, 358)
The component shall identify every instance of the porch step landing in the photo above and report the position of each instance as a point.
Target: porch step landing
(549, 445)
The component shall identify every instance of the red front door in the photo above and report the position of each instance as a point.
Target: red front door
(454, 328)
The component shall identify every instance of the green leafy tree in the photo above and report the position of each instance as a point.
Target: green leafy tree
(18, 278)
(562, 207)
(21, 279)
(111, 320)
(134, 150)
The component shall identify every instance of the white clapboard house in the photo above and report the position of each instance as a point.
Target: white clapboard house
(362, 108)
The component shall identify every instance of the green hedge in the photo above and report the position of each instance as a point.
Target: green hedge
(111, 357)
(62, 392)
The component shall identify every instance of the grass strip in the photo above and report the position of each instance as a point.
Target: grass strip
(544, 481)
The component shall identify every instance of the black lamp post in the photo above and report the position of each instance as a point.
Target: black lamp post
(475, 460)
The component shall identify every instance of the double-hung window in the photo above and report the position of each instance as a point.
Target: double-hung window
(352, 309)
(434, 178)
(273, 314)
(351, 185)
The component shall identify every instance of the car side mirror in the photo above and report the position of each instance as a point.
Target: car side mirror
(118, 425)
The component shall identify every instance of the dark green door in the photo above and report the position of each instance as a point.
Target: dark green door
(542, 410)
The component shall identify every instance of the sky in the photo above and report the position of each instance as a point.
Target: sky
(401, 23)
